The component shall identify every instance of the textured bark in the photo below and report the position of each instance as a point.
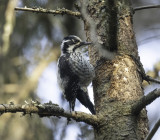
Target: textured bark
(117, 84)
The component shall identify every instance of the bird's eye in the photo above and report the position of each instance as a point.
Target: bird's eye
(75, 41)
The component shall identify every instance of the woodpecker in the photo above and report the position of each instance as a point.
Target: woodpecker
(75, 72)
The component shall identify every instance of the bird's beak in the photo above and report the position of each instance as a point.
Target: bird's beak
(85, 43)
(82, 44)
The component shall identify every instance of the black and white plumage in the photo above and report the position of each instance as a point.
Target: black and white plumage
(75, 72)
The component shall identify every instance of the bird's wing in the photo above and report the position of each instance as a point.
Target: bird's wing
(67, 80)
(64, 66)
(65, 72)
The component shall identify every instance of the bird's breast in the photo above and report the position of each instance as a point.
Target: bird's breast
(82, 67)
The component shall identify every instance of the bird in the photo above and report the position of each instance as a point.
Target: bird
(75, 72)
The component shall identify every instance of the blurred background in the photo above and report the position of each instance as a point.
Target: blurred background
(30, 45)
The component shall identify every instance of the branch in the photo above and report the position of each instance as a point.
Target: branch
(148, 78)
(64, 11)
(146, 7)
(145, 100)
(49, 109)
(58, 11)
(141, 70)
(153, 131)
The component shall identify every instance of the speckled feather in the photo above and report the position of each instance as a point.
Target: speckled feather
(75, 73)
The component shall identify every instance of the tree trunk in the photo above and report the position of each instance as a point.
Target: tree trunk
(117, 84)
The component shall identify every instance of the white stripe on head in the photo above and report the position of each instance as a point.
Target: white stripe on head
(62, 44)
(77, 37)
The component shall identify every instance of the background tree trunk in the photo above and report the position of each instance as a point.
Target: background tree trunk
(117, 84)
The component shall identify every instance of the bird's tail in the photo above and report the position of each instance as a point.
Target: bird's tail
(83, 97)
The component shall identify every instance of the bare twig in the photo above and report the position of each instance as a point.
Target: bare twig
(49, 109)
(153, 131)
(142, 71)
(148, 78)
(58, 11)
(146, 7)
(145, 100)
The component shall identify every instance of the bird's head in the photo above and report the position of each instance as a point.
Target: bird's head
(72, 43)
